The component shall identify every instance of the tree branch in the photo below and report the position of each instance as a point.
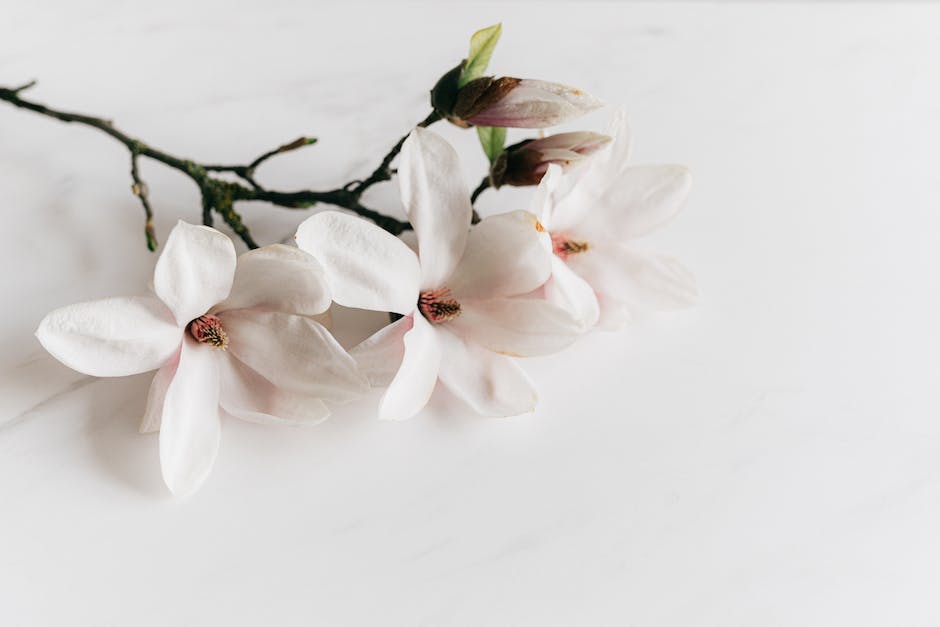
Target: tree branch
(139, 188)
(219, 195)
(482, 187)
(384, 171)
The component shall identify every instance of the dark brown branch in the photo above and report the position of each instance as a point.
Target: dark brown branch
(482, 187)
(140, 190)
(384, 171)
(219, 195)
(247, 172)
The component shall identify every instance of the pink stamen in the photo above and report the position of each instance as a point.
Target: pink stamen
(564, 246)
(438, 306)
(207, 329)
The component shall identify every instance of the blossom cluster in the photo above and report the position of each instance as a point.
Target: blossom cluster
(249, 335)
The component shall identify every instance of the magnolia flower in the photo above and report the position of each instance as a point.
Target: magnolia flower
(519, 103)
(525, 163)
(461, 318)
(596, 273)
(222, 334)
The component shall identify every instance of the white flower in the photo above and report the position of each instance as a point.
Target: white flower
(596, 274)
(224, 334)
(457, 296)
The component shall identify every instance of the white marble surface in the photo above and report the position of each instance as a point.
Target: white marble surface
(769, 458)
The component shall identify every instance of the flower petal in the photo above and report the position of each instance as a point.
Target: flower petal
(294, 353)
(112, 337)
(506, 255)
(195, 270)
(491, 384)
(542, 202)
(365, 267)
(610, 162)
(634, 277)
(278, 278)
(190, 426)
(412, 386)
(157, 394)
(638, 201)
(520, 327)
(249, 396)
(573, 294)
(537, 104)
(437, 203)
(379, 356)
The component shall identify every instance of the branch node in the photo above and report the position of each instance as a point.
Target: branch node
(22, 88)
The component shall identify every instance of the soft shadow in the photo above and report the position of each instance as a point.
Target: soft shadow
(110, 410)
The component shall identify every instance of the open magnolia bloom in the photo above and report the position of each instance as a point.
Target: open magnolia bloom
(458, 295)
(235, 335)
(592, 215)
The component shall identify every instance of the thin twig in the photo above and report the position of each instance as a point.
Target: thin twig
(247, 172)
(219, 195)
(384, 171)
(482, 187)
(140, 190)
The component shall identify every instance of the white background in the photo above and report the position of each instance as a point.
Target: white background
(768, 458)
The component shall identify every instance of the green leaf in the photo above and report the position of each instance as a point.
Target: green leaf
(482, 44)
(492, 138)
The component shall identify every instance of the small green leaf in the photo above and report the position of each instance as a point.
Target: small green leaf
(492, 138)
(482, 44)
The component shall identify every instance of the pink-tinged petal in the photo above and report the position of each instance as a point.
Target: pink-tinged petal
(581, 142)
(365, 267)
(249, 396)
(294, 353)
(542, 202)
(506, 255)
(379, 356)
(560, 156)
(520, 327)
(190, 426)
(157, 394)
(412, 386)
(527, 162)
(573, 294)
(536, 104)
(610, 162)
(113, 337)
(638, 201)
(491, 384)
(637, 278)
(278, 278)
(195, 270)
(437, 203)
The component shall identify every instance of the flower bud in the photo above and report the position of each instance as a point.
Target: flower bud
(526, 162)
(519, 103)
(444, 93)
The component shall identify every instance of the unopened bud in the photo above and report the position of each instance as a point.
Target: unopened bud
(525, 163)
(519, 103)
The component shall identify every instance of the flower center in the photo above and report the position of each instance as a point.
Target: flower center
(438, 306)
(564, 246)
(207, 329)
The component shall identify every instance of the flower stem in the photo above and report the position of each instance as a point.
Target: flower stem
(219, 195)
(482, 187)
